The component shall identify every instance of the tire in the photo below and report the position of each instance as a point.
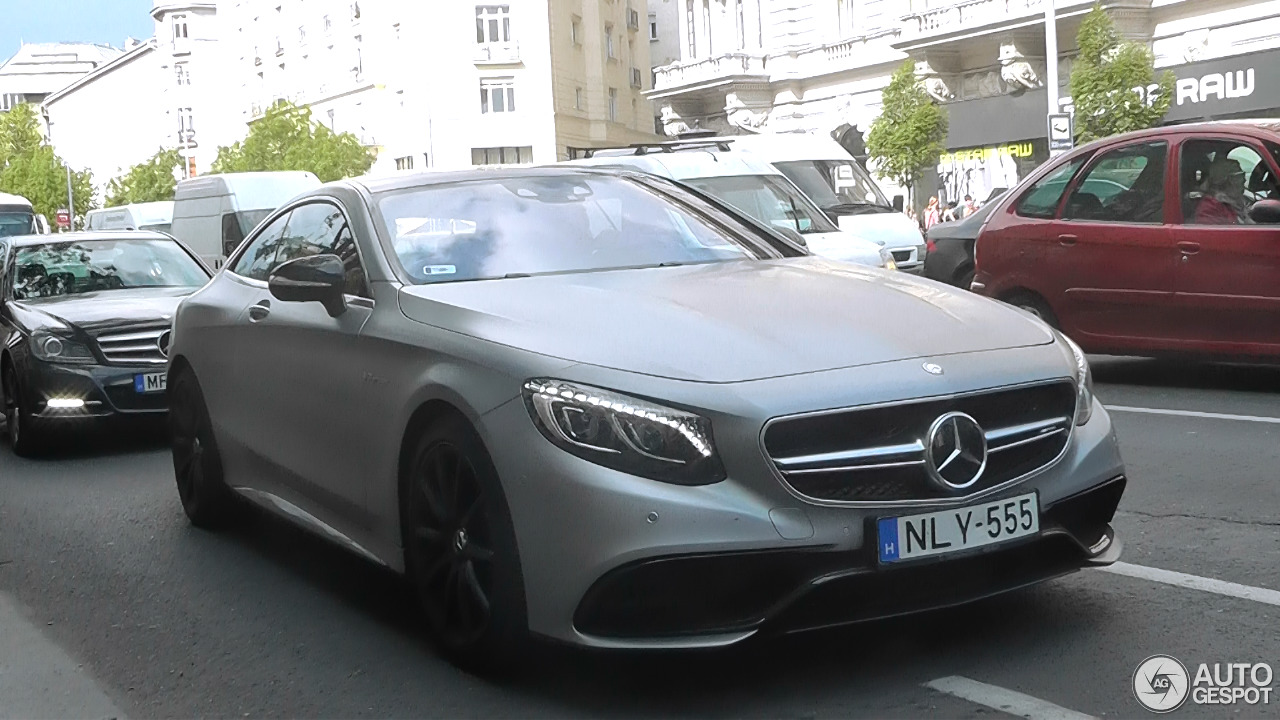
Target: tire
(197, 466)
(26, 435)
(1035, 305)
(460, 549)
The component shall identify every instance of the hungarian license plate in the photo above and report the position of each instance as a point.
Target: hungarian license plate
(150, 382)
(948, 531)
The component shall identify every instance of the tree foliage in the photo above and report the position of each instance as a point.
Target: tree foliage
(149, 181)
(908, 136)
(287, 139)
(33, 170)
(1113, 82)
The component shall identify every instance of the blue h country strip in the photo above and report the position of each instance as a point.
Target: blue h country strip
(888, 537)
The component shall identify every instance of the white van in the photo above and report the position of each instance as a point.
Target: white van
(842, 188)
(135, 216)
(749, 184)
(17, 217)
(212, 214)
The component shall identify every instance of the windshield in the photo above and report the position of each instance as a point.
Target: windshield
(769, 199)
(545, 224)
(837, 186)
(71, 268)
(15, 223)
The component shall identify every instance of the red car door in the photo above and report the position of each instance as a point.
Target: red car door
(1111, 254)
(1228, 269)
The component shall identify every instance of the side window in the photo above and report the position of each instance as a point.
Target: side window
(260, 257)
(1220, 179)
(1123, 185)
(1041, 201)
(319, 228)
(232, 235)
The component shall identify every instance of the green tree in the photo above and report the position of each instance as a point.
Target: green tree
(148, 181)
(1113, 82)
(907, 138)
(33, 170)
(287, 139)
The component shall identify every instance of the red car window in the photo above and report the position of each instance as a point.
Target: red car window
(1042, 198)
(1125, 185)
(1220, 178)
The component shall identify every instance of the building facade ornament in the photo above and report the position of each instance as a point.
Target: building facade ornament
(1016, 70)
(935, 83)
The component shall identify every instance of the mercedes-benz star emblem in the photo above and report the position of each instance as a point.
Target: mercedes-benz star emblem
(956, 453)
(162, 342)
(933, 368)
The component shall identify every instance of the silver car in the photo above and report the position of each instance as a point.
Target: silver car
(600, 407)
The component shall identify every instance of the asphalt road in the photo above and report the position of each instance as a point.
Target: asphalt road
(265, 621)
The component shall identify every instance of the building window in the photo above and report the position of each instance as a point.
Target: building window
(613, 104)
(742, 27)
(579, 102)
(502, 156)
(179, 27)
(9, 101)
(690, 29)
(653, 26)
(497, 95)
(575, 30)
(608, 43)
(847, 10)
(706, 23)
(404, 163)
(357, 70)
(493, 24)
(183, 72)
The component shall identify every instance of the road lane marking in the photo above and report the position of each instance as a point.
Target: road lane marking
(1195, 582)
(1194, 413)
(1006, 701)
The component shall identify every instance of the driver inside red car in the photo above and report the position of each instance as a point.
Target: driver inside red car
(1223, 202)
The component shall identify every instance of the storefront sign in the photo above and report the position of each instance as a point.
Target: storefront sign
(1020, 150)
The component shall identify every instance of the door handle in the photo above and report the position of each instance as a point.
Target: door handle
(259, 312)
(1067, 240)
(1189, 248)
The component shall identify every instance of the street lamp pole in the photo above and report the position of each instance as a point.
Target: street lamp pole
(1051, 55)
(71, 205)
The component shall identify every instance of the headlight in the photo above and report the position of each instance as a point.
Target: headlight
(1084, 382)
(886, 260)
(52, 348)
(625, 433)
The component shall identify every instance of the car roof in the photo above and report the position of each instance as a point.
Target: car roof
(428, 178)
(685, 163)
(1258, 128)
(7, 199)
(86, 236)
(783, 147)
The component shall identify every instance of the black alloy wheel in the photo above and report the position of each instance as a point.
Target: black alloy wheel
(25, 437)
(460, 550)
(197, 467)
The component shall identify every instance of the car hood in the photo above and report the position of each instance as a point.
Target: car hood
(726, 322)
(887, 229)
(845, 247)
(98, 311)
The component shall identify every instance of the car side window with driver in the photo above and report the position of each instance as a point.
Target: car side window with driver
(1125, 185)
(1220, 179)
(259, 259)
(320, 228)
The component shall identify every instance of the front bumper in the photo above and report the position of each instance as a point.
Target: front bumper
(105, 390)
(614, 560)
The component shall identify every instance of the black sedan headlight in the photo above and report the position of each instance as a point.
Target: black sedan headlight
(624, 433)
(52, 348)
(1084, 382)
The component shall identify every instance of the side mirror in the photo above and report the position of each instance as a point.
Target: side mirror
(1265, 212)
(316, 278)
(792, 234)
(899, 202)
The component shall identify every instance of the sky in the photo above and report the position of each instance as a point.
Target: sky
(94, 21)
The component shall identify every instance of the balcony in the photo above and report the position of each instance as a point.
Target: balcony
(721, 67)
(497, 53)
(930, 20)
(846, 54)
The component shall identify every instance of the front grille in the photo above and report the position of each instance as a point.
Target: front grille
(877, 454)
(901, 256)
(134, 347)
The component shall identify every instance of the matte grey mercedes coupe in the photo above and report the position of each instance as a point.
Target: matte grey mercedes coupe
(600, 407)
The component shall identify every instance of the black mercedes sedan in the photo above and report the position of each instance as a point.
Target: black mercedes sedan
(85, 326)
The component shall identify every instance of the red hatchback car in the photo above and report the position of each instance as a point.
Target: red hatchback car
(1155, 242)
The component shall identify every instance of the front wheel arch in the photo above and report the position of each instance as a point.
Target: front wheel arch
(1032, 302)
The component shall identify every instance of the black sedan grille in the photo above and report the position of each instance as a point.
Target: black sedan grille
(877, 454)
(136, 346)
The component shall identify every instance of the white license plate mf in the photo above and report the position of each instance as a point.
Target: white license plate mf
(150, 382)
(947, 531)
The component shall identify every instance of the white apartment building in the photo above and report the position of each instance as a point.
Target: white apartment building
(167, 92)
(39, 69)
(450, 84)
(820, 65)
